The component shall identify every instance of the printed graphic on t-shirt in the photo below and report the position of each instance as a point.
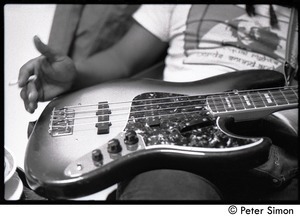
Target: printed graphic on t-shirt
(235, 40)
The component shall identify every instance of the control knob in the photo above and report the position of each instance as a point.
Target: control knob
(131, 140)
(97, 157)
(114, 147)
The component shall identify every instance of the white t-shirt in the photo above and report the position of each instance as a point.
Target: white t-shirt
(209, 40)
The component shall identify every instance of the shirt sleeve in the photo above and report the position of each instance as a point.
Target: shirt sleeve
(156, 19)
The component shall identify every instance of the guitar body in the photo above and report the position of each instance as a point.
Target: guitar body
(62, 159)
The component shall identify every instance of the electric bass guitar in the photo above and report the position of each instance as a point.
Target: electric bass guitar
(90, 139)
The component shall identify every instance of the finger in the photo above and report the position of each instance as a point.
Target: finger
(32, 93)
(32, 96)
(26, 71)
(32, 107)
(44, 49)
(23, 95)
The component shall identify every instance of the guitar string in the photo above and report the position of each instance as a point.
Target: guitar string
(131, 119)
(277, 98)
(66, 125)
(234, 98)
(126, 113)
(176, 97)
(217, 105)
(122, 120)
(220, 103)
(178, 107)
(135, 106)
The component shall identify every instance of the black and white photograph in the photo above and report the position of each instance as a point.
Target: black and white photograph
(152, 104)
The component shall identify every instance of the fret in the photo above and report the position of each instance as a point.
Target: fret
(260, 100)
(279, 97)
(296, 94)
(231, 102)
(284, 96)
(290, 95)
(257, 99)
(271, 95)
(241, 100)
(211, 104)
(246, 101)
(228, 103)
(218, 103)
(236, 101)
(267, 98)
(250, 97)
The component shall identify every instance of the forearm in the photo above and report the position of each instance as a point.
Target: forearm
(136, 51)
(101, 67)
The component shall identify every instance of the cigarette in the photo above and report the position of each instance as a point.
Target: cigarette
(15, 82)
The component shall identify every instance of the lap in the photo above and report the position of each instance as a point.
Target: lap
(181, 185)
(168, 185)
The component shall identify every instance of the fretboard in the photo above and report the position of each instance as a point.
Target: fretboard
(253, 100)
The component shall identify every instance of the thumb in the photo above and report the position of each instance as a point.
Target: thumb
(45, 49)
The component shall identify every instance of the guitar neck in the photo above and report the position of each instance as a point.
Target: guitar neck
(259, 102)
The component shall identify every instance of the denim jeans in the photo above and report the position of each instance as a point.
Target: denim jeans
(168, 185)
(275, 180)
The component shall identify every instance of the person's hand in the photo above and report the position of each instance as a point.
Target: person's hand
(55, 75)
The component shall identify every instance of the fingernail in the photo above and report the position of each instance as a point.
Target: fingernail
(30, 96)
